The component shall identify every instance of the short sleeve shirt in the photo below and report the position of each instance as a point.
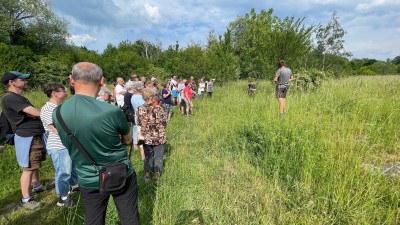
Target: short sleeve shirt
(22, 124)
(53, 140)
(283, 75)
(210, 86)
(188, 92)
(97, 126)
(166, 100)
(119, 97)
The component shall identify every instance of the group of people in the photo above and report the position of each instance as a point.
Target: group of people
(98, 126)
(95, 116)
(172, 92)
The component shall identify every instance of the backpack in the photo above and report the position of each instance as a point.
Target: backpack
(129, 113)
(159, 95)
(6, 133)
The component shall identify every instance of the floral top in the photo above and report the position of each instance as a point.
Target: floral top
(153, 121)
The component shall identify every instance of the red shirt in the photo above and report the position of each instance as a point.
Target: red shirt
(188, 92)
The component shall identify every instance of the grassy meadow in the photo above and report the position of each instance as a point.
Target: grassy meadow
(237, 161)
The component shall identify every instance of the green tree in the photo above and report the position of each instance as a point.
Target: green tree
(191, 62)
(170, 59)
(18, 58)
(330, 40)
(396, 60)
(48, 70)
(148, 50)
(260, 40)
(31, 23)
(222, 63)
(251, 40)
(122, 61)
(383, 67)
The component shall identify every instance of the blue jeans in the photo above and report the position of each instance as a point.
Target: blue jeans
(65, 171)
(135, 134)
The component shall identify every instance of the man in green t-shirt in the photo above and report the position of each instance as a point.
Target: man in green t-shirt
(103, 131)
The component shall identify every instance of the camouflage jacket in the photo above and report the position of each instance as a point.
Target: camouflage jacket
(153, 121)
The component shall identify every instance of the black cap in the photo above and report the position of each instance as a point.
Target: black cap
(13, 75)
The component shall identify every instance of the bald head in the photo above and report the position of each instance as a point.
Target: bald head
(120, 81)
(86, 72)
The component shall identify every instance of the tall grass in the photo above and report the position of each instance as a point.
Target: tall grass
(237, 161)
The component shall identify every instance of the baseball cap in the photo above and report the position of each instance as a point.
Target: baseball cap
(11, 75)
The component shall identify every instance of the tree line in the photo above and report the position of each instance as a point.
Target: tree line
(33, 39)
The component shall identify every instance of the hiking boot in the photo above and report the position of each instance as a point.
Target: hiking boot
(39, 188)
(68, 202)
(31, 204)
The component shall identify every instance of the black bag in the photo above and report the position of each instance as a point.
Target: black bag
(129, 113)
(112, 178)
(6, 133)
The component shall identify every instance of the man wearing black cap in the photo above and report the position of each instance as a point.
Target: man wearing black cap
(28, 129)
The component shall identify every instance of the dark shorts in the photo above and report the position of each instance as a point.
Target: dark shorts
(281, 92)
(36, 154)
(183, 103)
(167, 108)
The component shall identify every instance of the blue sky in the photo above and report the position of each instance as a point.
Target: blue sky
(372, 26)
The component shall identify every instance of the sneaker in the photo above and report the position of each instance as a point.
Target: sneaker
(39, 188)
(31, 204)
(68, 202)
(146, 179)
(74, 189)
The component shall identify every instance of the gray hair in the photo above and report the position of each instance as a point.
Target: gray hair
(87, 72)
(104, 90)
(129, 85)
(137, 86)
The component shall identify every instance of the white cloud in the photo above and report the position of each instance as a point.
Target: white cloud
(81, 39)
(373, 31)
(376, 3)
(153, 12)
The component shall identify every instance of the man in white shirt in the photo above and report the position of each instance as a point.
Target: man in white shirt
(120, 91)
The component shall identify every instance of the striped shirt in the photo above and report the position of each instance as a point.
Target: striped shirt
(53, 140)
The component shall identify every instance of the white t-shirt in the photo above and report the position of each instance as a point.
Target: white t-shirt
(174, 85)
(119, 97)
(202, 86)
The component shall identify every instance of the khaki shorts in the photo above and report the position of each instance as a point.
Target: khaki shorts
(36, 154)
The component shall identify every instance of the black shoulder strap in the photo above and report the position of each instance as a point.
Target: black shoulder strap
(73, 138)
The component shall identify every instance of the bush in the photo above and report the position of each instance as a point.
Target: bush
(311, 79)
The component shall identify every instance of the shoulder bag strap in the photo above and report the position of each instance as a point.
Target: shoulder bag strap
(74, 140)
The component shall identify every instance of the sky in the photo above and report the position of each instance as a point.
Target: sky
(372, 26)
